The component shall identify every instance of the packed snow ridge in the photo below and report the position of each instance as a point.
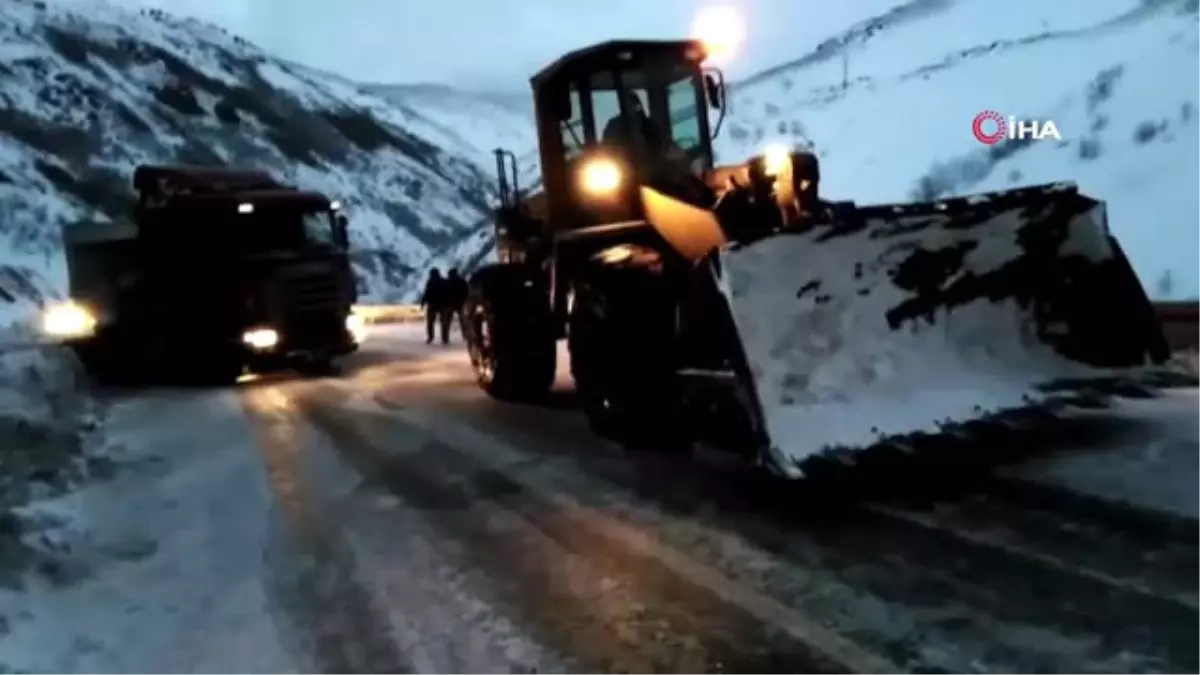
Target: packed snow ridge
(90, 90)
(888, 106)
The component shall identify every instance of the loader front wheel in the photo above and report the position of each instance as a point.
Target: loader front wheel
(621, 336)
(510, 334)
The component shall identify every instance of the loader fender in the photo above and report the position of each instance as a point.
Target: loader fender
(510, 332)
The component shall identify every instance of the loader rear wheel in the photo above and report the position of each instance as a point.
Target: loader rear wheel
(510, 336)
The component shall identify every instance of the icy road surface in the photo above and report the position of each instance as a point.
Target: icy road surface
(395, 519)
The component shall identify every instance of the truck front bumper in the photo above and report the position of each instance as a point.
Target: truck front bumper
(303, 339)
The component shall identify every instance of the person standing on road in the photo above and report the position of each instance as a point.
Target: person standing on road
(435, 302)
(456, 292)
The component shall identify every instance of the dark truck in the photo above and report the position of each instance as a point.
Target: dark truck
(218, 271)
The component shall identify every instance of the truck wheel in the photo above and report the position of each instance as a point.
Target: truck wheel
(102, 362)
(510, 333)
(621, 341)
(217, 368)
(316, 366)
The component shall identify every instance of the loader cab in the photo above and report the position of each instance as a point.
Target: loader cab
(592, 177)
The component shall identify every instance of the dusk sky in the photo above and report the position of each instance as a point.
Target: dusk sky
(498, 44)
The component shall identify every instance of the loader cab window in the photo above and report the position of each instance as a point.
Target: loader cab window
(671, 97)
(572, 128)
(684, 111)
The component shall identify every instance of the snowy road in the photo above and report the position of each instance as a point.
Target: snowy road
(395, 519)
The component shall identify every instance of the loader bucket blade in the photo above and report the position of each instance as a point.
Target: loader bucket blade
(692, 231)
(900, 320)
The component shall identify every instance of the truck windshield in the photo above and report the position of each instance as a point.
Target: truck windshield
(286, 231)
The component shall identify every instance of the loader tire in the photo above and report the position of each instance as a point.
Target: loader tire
(510, 333)
(620, 339)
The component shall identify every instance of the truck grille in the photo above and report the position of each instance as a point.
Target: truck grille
(307, 291)
(312, 302)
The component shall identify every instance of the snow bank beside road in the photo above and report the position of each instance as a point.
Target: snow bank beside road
(163, 566)
(49, 427)
(45, 415)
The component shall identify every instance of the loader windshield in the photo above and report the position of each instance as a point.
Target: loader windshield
(656, 110)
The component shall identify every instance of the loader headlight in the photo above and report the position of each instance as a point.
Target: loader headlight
(356, 325)
(68, 320)
(261, 339)
(600, 176)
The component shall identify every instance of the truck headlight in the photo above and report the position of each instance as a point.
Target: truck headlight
(68, 320)
(600, 176)
(356, 325)
(261, 339)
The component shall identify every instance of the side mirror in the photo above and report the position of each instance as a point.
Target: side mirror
(716, 91)
(341, 230)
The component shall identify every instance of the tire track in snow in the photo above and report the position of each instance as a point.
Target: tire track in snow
(1162, 569)
(1013, 612)
(589, 585)
(325, 609)
(928, 608)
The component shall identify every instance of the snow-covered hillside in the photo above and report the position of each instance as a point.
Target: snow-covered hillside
(473, 124)
(88, 90)
(1118, 78)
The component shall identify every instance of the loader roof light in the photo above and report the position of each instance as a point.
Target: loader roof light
(335, 205)
(600, 176)
(245, 207)
(721, 28)
(68, 320)
(776, 159)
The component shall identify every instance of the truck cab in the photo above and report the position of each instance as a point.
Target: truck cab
(229, 269)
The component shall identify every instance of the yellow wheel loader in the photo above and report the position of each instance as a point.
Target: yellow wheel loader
(735, 306)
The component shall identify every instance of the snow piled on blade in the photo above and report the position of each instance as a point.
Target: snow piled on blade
(903, 324)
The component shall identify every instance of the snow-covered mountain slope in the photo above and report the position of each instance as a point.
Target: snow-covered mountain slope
(88, 90)
(1118, 78)
(472, 124)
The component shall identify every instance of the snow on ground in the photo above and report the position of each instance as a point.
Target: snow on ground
(160, 569)
(1154, 464)
(1117, 77)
